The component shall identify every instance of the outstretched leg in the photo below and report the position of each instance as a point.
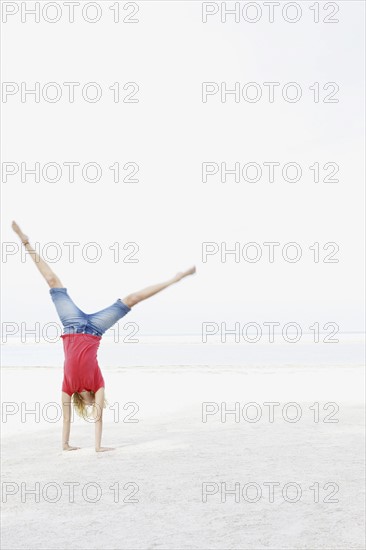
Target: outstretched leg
(136, 297)
(52, 280)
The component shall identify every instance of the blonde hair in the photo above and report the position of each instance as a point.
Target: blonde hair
(83, 409)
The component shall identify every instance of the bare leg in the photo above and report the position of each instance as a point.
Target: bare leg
(136, 297)
(44, 268)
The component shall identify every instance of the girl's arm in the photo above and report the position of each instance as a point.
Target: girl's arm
(99, 402)
(66, 414)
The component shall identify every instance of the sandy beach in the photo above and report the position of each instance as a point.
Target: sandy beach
(198, 166)
(185, 473)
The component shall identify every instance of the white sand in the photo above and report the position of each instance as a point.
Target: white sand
(170, 453)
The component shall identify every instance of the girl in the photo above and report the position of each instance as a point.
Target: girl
(83, 382)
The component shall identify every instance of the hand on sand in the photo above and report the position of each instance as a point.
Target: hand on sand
(22, 236)
(103, 449)
(68, 447)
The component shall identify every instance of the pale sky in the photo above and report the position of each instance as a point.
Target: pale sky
(169, 133)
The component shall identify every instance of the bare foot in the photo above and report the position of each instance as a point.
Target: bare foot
(104, 449)
(22, 236)
(183, 274)
(68, 447)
